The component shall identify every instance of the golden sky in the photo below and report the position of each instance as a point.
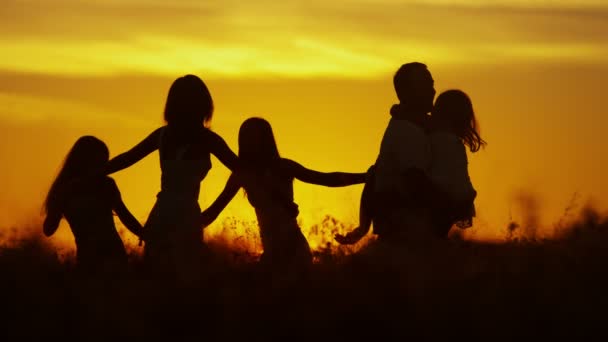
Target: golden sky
(321, 72)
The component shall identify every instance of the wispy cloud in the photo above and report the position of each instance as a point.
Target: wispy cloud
(24, 109)
(232, 38)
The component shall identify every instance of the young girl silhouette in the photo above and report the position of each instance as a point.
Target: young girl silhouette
(87, 199)
(174, 244)
(454, 127)
(268, 182)
(446, 187)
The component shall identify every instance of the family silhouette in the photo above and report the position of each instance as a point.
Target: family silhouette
(417, 189)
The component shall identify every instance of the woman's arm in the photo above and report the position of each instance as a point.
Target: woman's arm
(331, 179)
(220, 149)
(54, 211)
(51, 222)
(125, 216)
(214, 210)
(137, 153)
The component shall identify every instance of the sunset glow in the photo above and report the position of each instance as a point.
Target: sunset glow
(321, 73)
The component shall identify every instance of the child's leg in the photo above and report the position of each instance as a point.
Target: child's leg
(366, 212)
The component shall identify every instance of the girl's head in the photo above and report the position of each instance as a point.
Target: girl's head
(88, 156)
(189, 103)
(257, 147)
(453, 110)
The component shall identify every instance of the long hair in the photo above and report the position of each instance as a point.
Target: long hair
(188, 103)
(257, 146)
(88, 156)
(455, 108)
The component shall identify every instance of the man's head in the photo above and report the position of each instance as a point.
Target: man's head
(414, 85)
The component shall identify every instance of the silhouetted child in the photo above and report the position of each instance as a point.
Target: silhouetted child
(268, 182)
(87, 199)
(446, 187)
(454, 127)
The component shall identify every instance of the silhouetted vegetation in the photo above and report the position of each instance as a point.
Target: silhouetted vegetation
(527, 288)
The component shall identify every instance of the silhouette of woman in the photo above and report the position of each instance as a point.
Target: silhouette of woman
(87, 198)
(268, 182)
(185, 143)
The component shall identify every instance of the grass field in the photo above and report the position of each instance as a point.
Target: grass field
(522, 288)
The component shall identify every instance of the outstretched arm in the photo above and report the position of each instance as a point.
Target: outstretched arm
(214, 210)
(220, 149)
(137, 153)
(125, 216)
(331, 179)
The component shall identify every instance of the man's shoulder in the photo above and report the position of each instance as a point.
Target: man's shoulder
(404, 128)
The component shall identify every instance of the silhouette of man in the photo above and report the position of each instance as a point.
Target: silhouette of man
(404, 157)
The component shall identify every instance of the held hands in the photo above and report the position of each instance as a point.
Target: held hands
(142, 237)
(352, 237)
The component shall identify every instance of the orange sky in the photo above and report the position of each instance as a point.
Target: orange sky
(320, 72)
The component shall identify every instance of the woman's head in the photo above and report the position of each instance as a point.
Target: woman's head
(257, 146)
(88, 156)
(454, 110)
(189, 103)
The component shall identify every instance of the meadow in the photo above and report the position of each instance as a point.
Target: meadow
(520, 288)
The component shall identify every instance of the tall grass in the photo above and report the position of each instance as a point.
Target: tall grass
(522, 288)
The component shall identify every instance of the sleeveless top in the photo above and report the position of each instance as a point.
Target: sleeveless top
(183, 170)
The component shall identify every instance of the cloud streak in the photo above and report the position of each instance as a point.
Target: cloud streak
(351, 39)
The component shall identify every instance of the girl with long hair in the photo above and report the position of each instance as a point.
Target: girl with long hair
(87, 199)
(267, 179)
(454, 128)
